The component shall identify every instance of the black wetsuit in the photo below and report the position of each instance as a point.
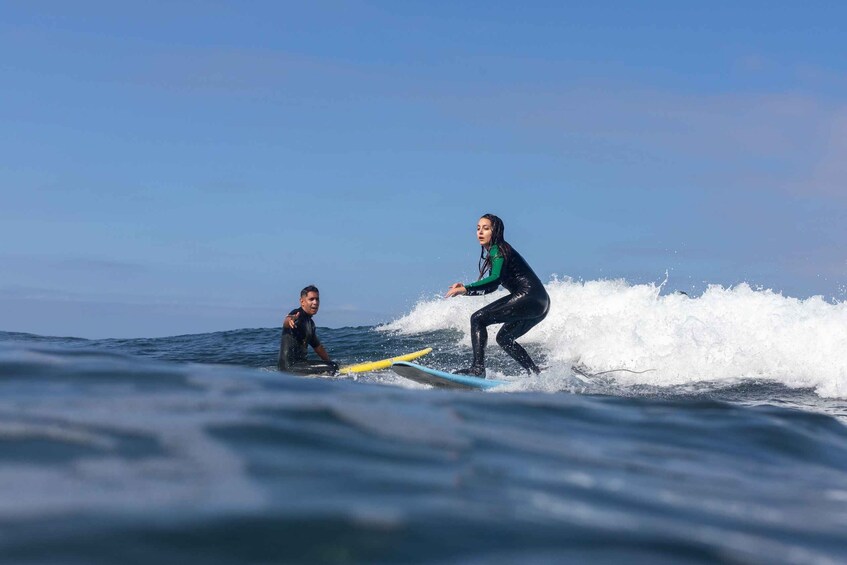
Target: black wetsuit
(293, 347)
(525, 306)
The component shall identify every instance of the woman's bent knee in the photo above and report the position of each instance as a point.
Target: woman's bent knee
(504, 339)
(479, 319)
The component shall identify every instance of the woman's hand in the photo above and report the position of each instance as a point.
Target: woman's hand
(456, 290)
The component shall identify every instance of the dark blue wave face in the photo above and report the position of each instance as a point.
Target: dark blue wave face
(260, 347)
(139, 451)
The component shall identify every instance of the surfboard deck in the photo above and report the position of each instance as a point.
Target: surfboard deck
(441, 379)
(383, 363)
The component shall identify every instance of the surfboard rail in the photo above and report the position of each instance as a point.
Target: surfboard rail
(382, 363)
(442, 379)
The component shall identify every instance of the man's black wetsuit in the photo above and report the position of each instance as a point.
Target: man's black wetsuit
(519, 312)
(293, 347)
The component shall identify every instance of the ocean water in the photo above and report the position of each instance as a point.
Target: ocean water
(712, 431)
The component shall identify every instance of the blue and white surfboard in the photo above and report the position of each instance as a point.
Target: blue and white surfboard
(427, 376)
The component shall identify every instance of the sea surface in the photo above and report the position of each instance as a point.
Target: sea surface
(711, 429)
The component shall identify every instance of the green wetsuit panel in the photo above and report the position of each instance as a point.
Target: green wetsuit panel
(496, 266)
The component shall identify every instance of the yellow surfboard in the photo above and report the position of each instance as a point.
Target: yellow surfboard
(383, 364)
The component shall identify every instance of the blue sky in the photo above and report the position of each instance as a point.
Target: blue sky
(182, 167)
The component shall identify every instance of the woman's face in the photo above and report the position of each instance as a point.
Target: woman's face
(483, 232)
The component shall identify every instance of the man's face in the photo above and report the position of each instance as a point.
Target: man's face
(310, 303)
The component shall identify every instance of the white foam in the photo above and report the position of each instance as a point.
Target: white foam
(726, 334)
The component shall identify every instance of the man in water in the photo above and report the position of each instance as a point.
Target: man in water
(298, 331)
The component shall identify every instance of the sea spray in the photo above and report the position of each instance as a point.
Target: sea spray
(725, 334)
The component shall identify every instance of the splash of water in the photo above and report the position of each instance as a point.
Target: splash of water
(726, 334)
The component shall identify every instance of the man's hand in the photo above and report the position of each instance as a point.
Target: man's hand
(291, 321)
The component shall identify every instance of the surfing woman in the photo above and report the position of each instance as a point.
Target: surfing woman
(525, 306)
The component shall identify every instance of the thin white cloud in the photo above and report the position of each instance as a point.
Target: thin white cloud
(65, 264)
(829, 174)
(773, 142)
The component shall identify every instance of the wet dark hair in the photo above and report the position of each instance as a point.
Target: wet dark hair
(498, 230)
(308, 289)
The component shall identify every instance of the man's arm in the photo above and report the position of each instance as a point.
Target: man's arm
(322, 353)
(325, 356)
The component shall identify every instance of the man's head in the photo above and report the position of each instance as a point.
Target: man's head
(310, 300)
